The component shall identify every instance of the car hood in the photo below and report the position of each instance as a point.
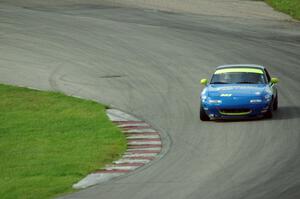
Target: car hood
(235, 90)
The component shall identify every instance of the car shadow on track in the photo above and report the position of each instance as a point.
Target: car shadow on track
(286, 112)
(283, 113)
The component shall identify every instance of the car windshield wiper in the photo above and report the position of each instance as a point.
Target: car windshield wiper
(219, 83)
(245, 82)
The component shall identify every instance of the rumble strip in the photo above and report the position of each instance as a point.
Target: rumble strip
(143, 145)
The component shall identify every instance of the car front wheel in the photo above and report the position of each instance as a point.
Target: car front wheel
(203, 115)
(275, 104)
(269, 113)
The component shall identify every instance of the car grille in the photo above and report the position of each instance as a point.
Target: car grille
(240, 111)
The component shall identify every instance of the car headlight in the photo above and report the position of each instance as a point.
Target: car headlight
(268, 97)
(255, 101)
(210, 101)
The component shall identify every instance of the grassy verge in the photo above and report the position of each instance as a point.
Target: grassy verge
(291, 7)
(48, 141)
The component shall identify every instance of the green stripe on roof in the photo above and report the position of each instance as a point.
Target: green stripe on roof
(239, 70)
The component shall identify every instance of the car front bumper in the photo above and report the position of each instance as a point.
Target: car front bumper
(236, 111)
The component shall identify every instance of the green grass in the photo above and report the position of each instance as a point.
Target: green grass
(48, 141)
(291, 7)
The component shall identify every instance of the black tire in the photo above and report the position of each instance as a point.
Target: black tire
(275, 104)
(269, 114)
(203, 115)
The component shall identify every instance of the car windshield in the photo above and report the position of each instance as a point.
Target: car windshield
(238, 78)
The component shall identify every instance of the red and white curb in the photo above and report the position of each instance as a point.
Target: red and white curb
(143, 145)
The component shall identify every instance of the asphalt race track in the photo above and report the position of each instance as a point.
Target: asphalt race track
(149, 63)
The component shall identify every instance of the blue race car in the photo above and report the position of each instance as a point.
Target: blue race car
(238, 91)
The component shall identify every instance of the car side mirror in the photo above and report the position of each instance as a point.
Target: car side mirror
(274, 80)
(203, 81)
